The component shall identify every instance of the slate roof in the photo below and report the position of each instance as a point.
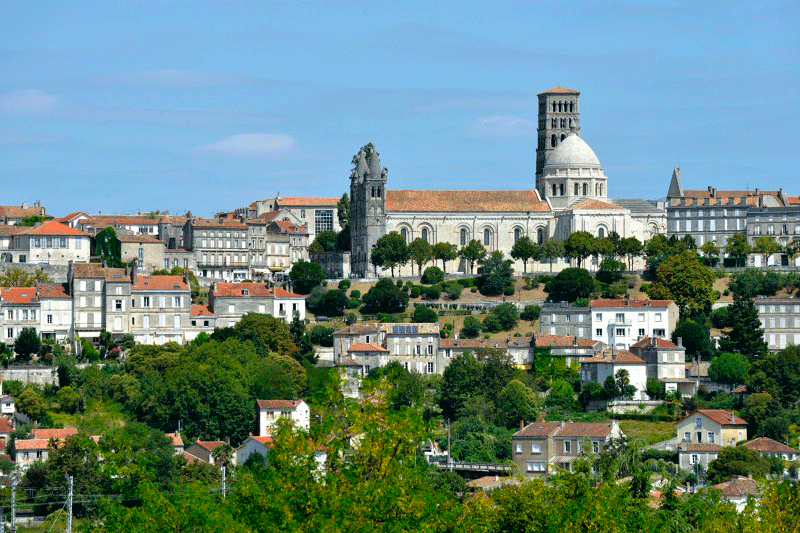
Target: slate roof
(465, 201)
(635, 205)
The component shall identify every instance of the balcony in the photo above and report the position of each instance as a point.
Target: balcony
(618, 322)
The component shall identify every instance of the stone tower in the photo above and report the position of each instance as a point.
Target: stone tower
(367, 210)
(558, 116)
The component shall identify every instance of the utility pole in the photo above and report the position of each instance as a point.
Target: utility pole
(449, 456)
(14, 503)
(69, 506)
(223, 483)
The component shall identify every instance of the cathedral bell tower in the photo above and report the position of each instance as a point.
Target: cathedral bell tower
(367, 210)
(559, 115)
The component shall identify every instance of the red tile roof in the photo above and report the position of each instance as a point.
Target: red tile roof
(593, 204)
(117, 275)
(144, 239)
(661, 343)
(56, 228)
(210, 445)
(87, 270)
(201, 310)
(465, 201)
(262, 439)
(290, 227)
(218, 223)
(358, 347)
(19, 296)
(235, 290)
(738, 487)
(15, 211)
(5, 425)
(58, 433)
(159, 283)
(538, 429)
(793, 200)
(52, 291)
(175, 438)
(358, 329)
(191, 458)
(585, 429)
(290, 405)
(701, 447)
(767, 445)
(268, 216)
(559, 90)
(562, 341)
(472, 343)
(313, 202)
(623, 357)
(32, 444)
(720, 416)
(631, 303)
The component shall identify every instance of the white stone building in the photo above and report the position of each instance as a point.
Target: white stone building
(621, 323)
(599, 368)
(270, 411)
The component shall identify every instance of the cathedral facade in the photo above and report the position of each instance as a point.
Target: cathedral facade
(570, 195)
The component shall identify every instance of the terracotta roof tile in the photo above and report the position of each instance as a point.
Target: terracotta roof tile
(738, 487)
(584, 429)
(631, 303)
(175, 438)
(720, 416)
(6, 230)
(561, 341)
(52, 291)
(358, 347)
(20, 295)
(623, 357)
(290, 405)
(465, 201)
(192, 458)
(559, 90)
(701, 447)
(57, 433)
(218, 223)
(117, 275)
(140, 239)
(767, 445)
(210, 445)
(159, 283)
(590, 203)
(258, 290)
(56, 228)
(31, 444)
(358, 329)
(201, 310)
(793, 200)
(471, 344)
(5, 425)
(16, 211)
(661, 343)
(263, 439)
(538, 429)
(312, 202)
(290, 227)
(87, 270)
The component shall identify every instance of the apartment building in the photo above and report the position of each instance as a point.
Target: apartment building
(49, 242)
(231, 301)
(275, 245)
(704, 432)
(117, 302)
(147, 250)
(160, 308)
(779, 223)
(415, 346)
(55, 311)
(563, 319)
(780, 318)
(621, 323)
(606, 364)
(202, 320)
(270, 411)
(86, 283)
(219, 246)
(666, 362)
(20, 310)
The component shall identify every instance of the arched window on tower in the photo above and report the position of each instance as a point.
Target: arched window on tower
(576, 189)
(517, 234)
(463, 236)
(487, 237)
(560, 107)
(554, 190)
(540, 235)
(554, 123)
(601, 189)
(561, 189)
(554, 107)
(553, 140)
(424, 234)
(585, 189)
(404, 234)
(563, 136)
(597, 190)
(379, 193)
(571, 123)
(372, 193)
(572, 107)
(601, 233)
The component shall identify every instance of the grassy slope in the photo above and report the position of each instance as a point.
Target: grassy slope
(97, 417)
(649, 432)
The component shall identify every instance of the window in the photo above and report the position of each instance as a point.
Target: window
(698, 421)
(430, 368)
(561, 189)
(695, 459)
(519, 447)
(658, 317)
(567, 446)
(601, 233)
(166, 264)
(117, 305)
(49, 319)
(463, 236)
(555, 189)
(641, 332)
(577, 189)
(599, 332)
(418, 350)
(598, 316)
(404, 234)
(619, 332)
(424, 234)
(177, 301)
(487, 237)
(323, 220)
(430, 349)
(687, 437)
(540, 235)
(10, 333)
(595, 446)
(517, 234)
(145, 301)
(536, 447)
(711, 437)
(620, 317)
(641, 317)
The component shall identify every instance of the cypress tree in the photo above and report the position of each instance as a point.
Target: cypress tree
(746, 335)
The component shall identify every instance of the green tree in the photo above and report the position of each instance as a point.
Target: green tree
(31, 220)
(31, 403)
(631, 248)
(622, 378)
(473, 252)
(688, 282)
(736, 461)
(331, 303)
(561, 395)
(695, 338)
(390, 251)
(27, 344)
(711, 252)
(778, 374)
(523, 250)
(343, 210)
(507, 315)
(423, 313)
(515, 402)
(605, 248)
(444, 252)
(610, 270)
(108, 248)
(271, 335)
(579, 245)
(610, 388)
(384, 297)
(69, 400)
(325, 241)
(16, 277)
(746, 335)
(551, 249)
(655, 389)
(461, 381)
(472, 327)
(766, 247)
(432, 275)
(737, 248)
(729, 368)
(305, 276)
(496, 274)
(569, 285)
(420, 253)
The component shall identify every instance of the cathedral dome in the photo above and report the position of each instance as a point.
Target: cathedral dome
(572, 152)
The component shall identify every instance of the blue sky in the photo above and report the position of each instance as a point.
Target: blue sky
(129, 106)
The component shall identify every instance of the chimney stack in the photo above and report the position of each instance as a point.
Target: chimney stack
(732, 418)
(521, 425)
(134, 271)
(575, 340)
(680, 342)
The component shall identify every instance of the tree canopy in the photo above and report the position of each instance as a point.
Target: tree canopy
(686, 281)
(305, 276)
(569, 285)
(496, 273)
(390, 251)
(579, 245)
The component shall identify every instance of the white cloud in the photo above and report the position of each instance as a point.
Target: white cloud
(28, 101)
(501, 127)
(173, 77)
(248, 145)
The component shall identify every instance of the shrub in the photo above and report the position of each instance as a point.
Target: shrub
(645, 287)
(432, 293)
(570, 284)
(355, 293)
(492, 324)
(530, 313)
(473, 289)
(344, 284)
(399, 283)
(350, 319)
(432, 275)
(472, 327)
(610, 270)
(507, 315)
(453, 290)
(467, 282)
(726, 292)
(415, 291)
(508, 290)
(322, 336)
(543, 278)
(423, 313)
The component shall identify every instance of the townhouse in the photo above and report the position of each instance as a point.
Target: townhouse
(20, 306)
(561, 318)
(621, 323)
(160, 308)
(270, 411)
(220, 247)
(37, 447)
(147, 250)
(231, 301)
(415, 346)
(55, 311)
(599, 368)
(704, 432)
(780, 318)
(86, 282)
(666, 362)
(275, 244)
(11, 215)
(48, 242)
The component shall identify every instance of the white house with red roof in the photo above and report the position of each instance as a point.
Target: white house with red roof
(270, 411)
(621, 323)
(202, 320)
(666, 362)
(252, 444)
(203, 450)
(231, 301)
(57, 244)
(37, 448)
(160, 308)
(704, 432)
(55, 315)
(20, 310)
(599, 368)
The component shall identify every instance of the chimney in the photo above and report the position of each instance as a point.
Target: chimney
(521, 422)
(680, 342)
(24, 205)
(561, 424)
(575, 340)
(134, 271)
(496, 477)
(732, 418)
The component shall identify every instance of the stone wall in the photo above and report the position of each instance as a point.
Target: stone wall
(37, 375)
(58, 273)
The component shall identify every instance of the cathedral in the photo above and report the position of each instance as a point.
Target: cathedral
(571, 195)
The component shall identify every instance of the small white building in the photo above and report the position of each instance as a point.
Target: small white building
(621, 323)
(252, 444)
(55, 311)
(599, 368)
(177, 442)
(270, 411)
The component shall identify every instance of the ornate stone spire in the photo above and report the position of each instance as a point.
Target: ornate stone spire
(375, 168)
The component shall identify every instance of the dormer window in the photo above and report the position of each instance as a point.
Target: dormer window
(245, 292)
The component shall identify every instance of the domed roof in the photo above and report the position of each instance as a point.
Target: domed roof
(573, 152)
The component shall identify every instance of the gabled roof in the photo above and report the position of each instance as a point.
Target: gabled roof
(358, 347)
(159, 283)
(249, 290)
(564, 341)
(591, 203)
(16, 211)
(19, 296)
(720, 416)
(358, 329)
(191, 458)
(117, 275)
(87, 270)
(59, 434)
(218, 223)
(56, 228)
(538, 429)
(210, 445)
(767, 445)
(289, 405)
(630, 303)
(622, 357)
(201, 310)
(738, 487)
(559, 90)
(52, 291)
(466, 201)
(175, 437)
(143, 239)
(584, 429)
(290, 227)
(468, 344)
(307, 202)
(31, 444)
(644, 342)
(699, 447)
